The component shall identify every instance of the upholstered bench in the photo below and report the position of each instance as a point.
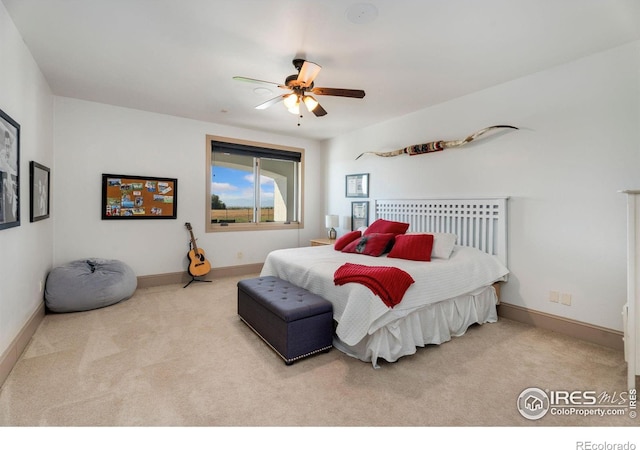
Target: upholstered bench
(293, 321)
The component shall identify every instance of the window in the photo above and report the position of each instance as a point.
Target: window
(253, 185)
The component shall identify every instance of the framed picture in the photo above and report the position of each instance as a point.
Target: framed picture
(9, 172)
(39, 193)
(359, 215)
(137, 197)
(357, 185)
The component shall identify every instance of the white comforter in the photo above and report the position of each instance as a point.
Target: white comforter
(356, 309)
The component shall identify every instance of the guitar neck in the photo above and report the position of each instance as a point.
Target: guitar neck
(194, 245)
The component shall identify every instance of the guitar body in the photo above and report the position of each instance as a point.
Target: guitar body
(198, 264)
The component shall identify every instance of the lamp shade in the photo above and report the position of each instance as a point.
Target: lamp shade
(310, 102)
(292, 102)
(331, 220)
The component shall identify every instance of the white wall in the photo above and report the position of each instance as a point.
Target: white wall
(92, 139)
(578, 145)
(26, 252)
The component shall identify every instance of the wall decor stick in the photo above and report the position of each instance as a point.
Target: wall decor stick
(436, 146)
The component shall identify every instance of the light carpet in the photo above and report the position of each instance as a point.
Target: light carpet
(174, 356)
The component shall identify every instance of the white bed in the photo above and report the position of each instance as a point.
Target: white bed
(448, 295)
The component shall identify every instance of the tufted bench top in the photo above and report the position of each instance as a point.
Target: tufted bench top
(287, 301)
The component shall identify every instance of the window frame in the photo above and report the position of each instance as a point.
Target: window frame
(252, 226)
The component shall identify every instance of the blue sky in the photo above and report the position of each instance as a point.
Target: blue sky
(235, 187)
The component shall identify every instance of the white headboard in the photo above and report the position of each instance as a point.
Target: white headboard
(478, 222)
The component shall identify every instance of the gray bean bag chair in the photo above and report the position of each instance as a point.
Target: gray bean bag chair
(89, 284)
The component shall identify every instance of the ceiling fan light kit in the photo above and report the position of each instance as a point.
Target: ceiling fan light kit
(292, 102)
(301, 85)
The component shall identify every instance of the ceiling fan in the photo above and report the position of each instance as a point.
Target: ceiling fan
(301, 87)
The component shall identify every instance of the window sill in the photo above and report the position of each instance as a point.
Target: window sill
(262, 226)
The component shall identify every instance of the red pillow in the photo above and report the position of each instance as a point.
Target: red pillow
(372, 244)
(387, 226)
(416, 247)
(346, 239)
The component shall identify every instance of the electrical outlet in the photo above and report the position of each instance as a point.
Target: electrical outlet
(40, 286)
(565, 299)
(554, 296)
(239, 255)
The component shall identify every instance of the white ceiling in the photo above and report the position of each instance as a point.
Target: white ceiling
(178, 57)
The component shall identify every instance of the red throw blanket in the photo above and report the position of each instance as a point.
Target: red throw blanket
(388, 283)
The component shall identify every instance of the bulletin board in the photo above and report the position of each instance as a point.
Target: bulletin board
(138, 197)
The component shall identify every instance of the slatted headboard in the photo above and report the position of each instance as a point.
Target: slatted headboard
(478, 222)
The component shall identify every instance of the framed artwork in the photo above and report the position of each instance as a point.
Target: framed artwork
(137, 197)
(357, 185)
(359, 215)
(39, 177)
(9, 172)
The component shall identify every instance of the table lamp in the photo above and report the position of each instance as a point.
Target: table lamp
(331, 221)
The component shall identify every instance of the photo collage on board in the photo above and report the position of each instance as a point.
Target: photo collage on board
(138, 198)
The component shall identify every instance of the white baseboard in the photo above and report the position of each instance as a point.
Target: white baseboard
(581, 330)
(183, 277)
(10, 357)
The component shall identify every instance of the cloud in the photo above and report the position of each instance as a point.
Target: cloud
(223, 187)
(263, 179)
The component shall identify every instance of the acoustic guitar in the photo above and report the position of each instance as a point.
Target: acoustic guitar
(198, 264)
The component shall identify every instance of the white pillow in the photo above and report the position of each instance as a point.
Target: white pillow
(443, 244)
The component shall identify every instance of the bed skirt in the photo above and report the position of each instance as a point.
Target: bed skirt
(433, 324)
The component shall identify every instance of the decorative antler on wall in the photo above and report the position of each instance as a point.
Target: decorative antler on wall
(436, 146)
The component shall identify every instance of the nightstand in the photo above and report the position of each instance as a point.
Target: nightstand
(322, 241)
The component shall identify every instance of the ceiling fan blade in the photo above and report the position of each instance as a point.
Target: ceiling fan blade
(354, 93)
(253, 80)
(308, 73)
(319, 111)
(271, 102)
